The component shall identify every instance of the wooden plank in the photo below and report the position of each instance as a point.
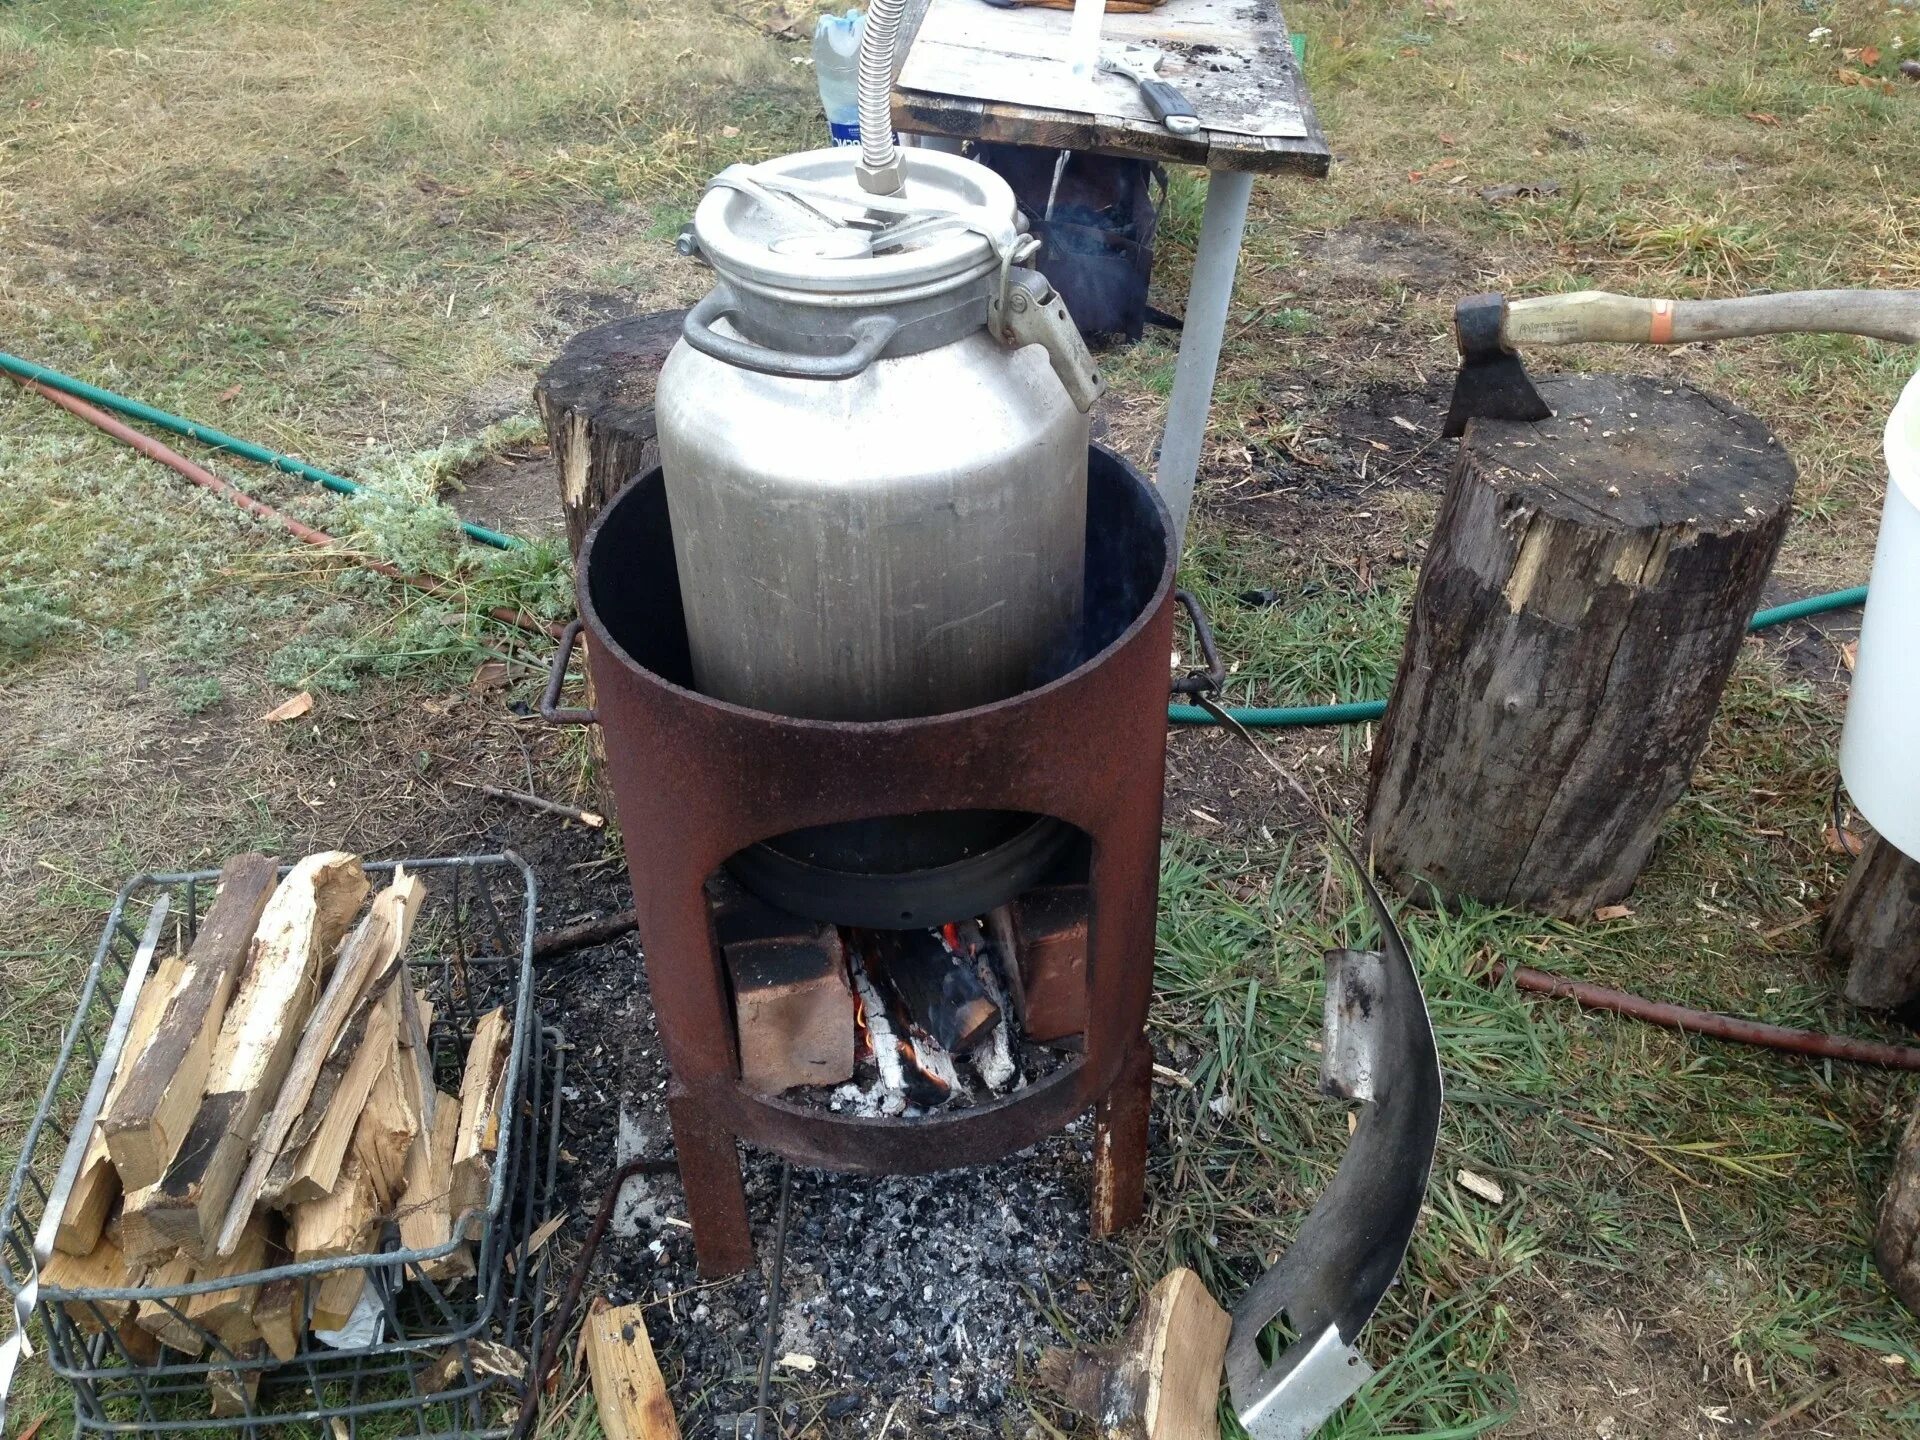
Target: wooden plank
(313, 1173)
(166, 1321)
(978, 72)
(298, 932)
(426, 1214)
(103, 1269)
(97, 1186)
(149, 1117)
(375, 948)
(280, 1312)
(627, 1384)
(478, 1138)
(229, 1313)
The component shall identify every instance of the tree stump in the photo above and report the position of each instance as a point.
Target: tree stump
(1581, 605)
(1874, 925)
(596, 400)
(1896, 1239)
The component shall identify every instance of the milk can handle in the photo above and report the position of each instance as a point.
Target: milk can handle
(866, 338)
(551, 710)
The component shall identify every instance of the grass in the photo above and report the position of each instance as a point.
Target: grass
(353, 232)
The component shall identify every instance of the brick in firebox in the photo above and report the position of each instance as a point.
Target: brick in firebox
(793, 1006)
(1049, 927)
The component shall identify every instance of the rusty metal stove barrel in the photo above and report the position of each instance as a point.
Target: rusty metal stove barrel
(697, 780)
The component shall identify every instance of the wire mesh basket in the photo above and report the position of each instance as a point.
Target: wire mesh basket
(433, 1341)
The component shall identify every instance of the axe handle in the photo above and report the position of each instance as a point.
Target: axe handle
(1597, 315)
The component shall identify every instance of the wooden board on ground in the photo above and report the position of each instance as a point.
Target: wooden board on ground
(298, 931)
(149, 1116)
(979, 72)
(627, 1384)
(374, 950)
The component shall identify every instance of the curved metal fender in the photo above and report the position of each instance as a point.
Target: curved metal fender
(1379, 1049)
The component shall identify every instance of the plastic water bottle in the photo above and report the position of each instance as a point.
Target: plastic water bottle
(836, 64)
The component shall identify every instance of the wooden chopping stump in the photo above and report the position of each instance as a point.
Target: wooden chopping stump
(1874, 925)
(596, 400)
(1896, 1239)
(1582, 602)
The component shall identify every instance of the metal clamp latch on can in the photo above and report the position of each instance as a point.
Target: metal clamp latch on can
(1026, 310)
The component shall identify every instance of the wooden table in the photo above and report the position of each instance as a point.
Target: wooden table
(972, 71)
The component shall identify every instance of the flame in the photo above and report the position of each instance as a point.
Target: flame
(862, 1038)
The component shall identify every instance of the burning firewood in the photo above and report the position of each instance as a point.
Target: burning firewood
(1162, 1381)
(936, 982)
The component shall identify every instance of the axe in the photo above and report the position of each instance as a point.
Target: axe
(1493, 384)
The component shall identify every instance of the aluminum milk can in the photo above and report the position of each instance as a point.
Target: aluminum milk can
(874, 435)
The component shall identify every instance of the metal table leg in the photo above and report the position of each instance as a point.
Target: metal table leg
(1214, 263)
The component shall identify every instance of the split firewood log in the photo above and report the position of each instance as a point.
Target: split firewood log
(148, 1118)
(298, 932)
(1162, 1381)
(97, 1186)
(376, 947)
(477, 1140)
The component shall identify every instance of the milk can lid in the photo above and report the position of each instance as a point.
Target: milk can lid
(802, 223)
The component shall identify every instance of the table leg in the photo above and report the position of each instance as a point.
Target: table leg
(1214, 263)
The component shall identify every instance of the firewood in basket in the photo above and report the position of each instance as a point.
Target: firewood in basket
(139, 1237)
(97, 1186)
(341, 1224)
(477, 1140)
(166, 1320)
(336, 1297)
(388, 1126)
(941, 989)
(229, 1313)
(426, 1209)
(627, 1385)
(312, 1173)
(375, 947)
(299, 929)
(281, 1315)
(104, 1268)
(1162, 1381)
(148, 1118)
(234, 1391)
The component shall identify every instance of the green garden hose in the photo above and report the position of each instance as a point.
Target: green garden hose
(217, 439)
(1283, 717)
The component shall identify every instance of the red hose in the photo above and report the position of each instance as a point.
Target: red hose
(206, 479)
(1704, 1022)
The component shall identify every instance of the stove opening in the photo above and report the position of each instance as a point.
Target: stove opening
(905, 1020)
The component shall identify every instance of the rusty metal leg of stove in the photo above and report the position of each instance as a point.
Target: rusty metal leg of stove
(1120, 1145)
(715, 1188)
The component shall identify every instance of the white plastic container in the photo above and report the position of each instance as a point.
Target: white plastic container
(1880, 748)
(836, 66)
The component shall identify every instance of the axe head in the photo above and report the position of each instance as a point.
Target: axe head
(1492, 383)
